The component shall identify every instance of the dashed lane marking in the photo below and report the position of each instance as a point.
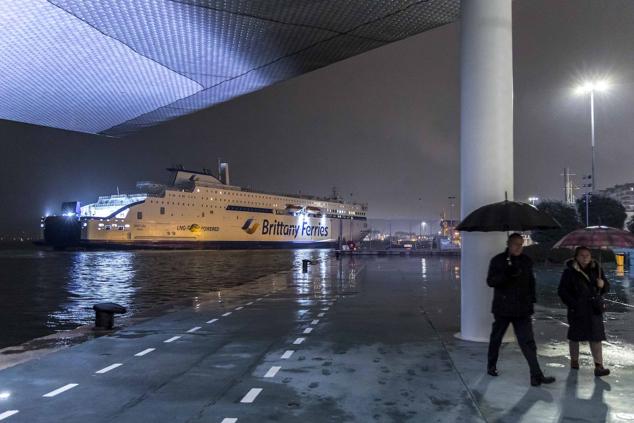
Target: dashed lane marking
(229, 420)
(250, 303)
(272, 371)
(321, 314)
(298, 341)
(251, 395)
(259, 299)
(287, 354)
(211, 321)
(315, 322)
(60, 390)
(172, 339)
(226, 314)
(194, 329)
(239, 308)
(110, 367)
(308, 330)
(325, 309)
(142, 353)
(8, 414)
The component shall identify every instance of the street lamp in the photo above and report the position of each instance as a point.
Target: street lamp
(533, 200)
(590, 87)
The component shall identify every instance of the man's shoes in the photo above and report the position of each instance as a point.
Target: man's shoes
(541, 379)
(574, 364)
(492, 371)
(599, 370)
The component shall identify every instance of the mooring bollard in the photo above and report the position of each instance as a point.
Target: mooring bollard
(104, 314)
(305, 264)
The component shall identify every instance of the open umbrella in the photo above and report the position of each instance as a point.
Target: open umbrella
(507, 216)
(597, 237)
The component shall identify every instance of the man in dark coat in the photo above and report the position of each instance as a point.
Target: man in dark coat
(511, 274)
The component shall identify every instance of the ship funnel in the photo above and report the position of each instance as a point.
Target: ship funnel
(223, 172)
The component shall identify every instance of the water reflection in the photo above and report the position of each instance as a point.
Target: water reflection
(324, 278)
(45, 291)
(95, 277)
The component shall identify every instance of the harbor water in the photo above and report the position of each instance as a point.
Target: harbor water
(45, 291)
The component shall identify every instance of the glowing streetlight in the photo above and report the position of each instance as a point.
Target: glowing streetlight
(590, 87)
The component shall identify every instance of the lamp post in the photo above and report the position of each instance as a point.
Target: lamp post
(591, 87)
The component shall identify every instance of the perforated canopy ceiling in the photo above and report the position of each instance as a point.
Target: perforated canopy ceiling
(113, 67)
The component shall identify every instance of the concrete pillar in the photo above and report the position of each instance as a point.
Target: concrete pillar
(486, 147)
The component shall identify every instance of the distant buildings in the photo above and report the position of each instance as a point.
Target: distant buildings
(623, 193)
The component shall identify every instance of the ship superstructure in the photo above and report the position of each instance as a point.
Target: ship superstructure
(200, 210)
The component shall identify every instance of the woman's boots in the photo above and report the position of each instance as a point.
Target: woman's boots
(599, 370)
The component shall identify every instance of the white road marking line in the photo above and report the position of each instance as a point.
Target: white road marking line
(60, 390)
(619, 303)
(567, 325)
(251, 395)
(287, 354)
(558, 321)
(229, 420)
(315, 322)
(259, 299)
(172, 339)
(8, 414)
(146, 351)
(272, 371)
(325, 309)
(302, 311)
(211, 321)
(107, 369)
(321, 314)
(239, 308)
(308, 330)
(298, 341)
(250, 303)
(194, 329)
(226, 314)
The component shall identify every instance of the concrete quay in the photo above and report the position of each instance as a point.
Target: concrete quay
(354, 340)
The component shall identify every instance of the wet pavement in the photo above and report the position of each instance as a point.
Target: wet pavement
(356, 340)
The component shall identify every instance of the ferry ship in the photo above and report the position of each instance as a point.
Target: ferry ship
(199, 210)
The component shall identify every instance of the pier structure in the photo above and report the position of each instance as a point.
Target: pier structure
(351, 340)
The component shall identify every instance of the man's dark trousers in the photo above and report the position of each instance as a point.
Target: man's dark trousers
(523, 327)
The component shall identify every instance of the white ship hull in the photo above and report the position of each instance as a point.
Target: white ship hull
(210, 214)
(231, 230)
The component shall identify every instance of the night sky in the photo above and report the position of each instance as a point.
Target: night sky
(382, 126)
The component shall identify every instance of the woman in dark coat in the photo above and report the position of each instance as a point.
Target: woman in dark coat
(581, 288)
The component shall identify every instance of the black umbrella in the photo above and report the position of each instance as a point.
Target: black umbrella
(507, 216)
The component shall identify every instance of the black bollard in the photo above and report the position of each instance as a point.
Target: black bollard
(305, 264)
(104, 314)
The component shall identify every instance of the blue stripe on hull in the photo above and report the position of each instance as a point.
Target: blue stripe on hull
(204, 245)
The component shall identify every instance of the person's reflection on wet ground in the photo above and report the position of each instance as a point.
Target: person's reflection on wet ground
(531, 398)
(575, 409)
